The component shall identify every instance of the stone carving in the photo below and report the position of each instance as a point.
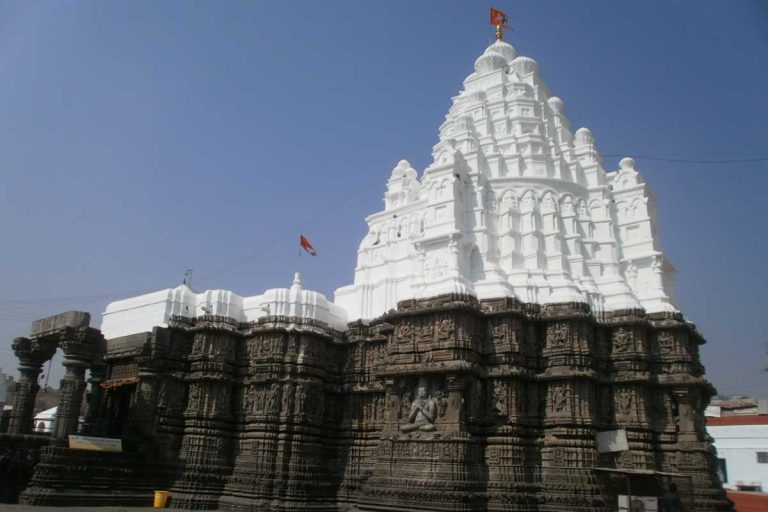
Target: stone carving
(623, 341)
(422, 412)
(427, 332)
(500, 333)
(666, 342)
(557, 335)
(404, 332)
(442, 404)
(561, 397)
(625, 402)
(247, 432)
(445, 329)
(499, 398)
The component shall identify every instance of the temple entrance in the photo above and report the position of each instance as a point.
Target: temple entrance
(118, 409)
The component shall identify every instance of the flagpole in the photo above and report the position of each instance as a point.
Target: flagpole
(298, 262)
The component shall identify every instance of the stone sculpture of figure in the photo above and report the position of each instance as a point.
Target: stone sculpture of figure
(422, 412)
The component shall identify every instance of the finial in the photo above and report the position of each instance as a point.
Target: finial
(296, 280)
(499, 19)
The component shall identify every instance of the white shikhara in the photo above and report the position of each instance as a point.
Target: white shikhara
(513, 205)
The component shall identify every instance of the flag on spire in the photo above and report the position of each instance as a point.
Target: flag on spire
(498, 18)
(307, 246)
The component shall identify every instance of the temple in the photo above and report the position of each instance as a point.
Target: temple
(508, 305)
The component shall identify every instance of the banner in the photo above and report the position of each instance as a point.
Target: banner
(96, 444)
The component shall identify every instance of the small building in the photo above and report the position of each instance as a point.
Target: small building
(741, 439)
(44, 421)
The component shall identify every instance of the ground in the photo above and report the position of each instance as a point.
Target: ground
(26, 508)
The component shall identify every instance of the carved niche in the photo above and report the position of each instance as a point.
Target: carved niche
(445, 329)
(557, 335)
(498, 395)
(623, 340)
(560, 399)
(624, 402)
(423, 403)
(667, 342)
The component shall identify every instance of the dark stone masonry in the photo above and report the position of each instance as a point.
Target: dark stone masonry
(447, 404)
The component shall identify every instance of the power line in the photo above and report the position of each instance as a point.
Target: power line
(20, 309)
(697, 161)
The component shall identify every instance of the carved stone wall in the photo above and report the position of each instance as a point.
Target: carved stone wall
(443, 404)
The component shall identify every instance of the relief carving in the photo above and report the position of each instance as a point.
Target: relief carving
(625, 402)
(445, 329)
(557, 335)
(421, 415)
(666, 342)
(500, 334)
(499, 398)
(561, 397)
(623, 341)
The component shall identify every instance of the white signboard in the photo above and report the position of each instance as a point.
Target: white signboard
(96, 444)
(638, 504)
(612, 441)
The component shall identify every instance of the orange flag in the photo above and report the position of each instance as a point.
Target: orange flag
(307, 246)
(498, 18)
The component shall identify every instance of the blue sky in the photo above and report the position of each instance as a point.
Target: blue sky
(139, 138)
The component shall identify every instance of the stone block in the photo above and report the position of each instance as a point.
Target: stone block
(74, 319)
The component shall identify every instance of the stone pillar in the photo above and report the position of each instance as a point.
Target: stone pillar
(685, 417)
(145, 415)
(93, 419)
(392, 416)
(455, 417)
(32, 355)
(78, 356)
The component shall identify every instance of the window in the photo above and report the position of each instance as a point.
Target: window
(722, 471)
(762, 457)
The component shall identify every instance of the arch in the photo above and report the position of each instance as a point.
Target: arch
(581, 209)
(567, 204)
(596, 209)
(509, 200)
(476, 267)
(548, 201)
(528, 202)
(638, 207)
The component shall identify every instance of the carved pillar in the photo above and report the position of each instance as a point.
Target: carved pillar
(145, 415)
(686, 422)
(78, 356)
(455, 417)
(93, 416)
(392, 417)
(32, 355)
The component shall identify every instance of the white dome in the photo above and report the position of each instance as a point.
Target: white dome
(524, 65)
(584, 136)
(627, 163)
(506, 50)
(556, 104)
(490, 61)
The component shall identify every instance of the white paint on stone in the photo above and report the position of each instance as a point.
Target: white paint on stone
(142, 313)
(513, 205)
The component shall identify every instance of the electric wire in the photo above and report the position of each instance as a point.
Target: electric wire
(24, 309)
